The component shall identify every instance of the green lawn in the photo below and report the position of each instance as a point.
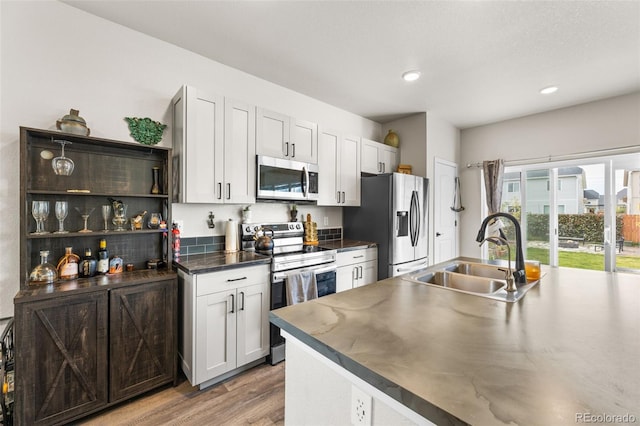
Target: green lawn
(581, 260)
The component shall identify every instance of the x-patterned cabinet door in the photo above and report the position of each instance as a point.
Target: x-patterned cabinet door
(61, 371)
(142, 349)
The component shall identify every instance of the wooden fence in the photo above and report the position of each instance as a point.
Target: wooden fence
(631, 228)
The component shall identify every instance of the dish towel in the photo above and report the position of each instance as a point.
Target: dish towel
(301, 286)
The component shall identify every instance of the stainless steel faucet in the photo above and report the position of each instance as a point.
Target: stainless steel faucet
(511, 286)
(519, 274)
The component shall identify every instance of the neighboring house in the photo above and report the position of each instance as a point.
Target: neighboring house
(593, 201)
(632, 182)
(571, 183)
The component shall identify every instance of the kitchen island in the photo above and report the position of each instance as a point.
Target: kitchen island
(567, 353)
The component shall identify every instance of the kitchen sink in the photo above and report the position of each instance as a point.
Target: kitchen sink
(476, 279)
(462, 282)
(478, 270)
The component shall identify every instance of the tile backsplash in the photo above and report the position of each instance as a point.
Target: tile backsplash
(208, 244)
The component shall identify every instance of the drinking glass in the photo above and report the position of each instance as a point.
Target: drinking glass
(44, 214)
(119, 216)
(106, 212)
(85, 213)
(61, 214)
(36, 213)
(62, 165)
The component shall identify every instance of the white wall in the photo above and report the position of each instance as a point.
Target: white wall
(55, 57)
(605, 124)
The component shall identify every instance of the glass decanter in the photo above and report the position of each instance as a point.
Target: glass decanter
(44, 273)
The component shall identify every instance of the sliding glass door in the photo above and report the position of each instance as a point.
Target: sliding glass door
(579, 214)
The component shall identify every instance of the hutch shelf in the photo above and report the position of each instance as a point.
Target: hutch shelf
(85, 344)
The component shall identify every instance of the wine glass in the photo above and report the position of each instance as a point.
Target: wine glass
(44, 214)
(106, 212)
(62, 165)
(62, 209)
(119, 215)
(36, 213)
(85, 213)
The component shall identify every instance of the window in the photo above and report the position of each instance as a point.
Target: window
(513, 187)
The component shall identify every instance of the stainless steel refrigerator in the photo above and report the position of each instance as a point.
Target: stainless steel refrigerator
(393, 213)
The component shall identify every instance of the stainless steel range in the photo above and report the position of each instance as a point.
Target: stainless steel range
(290, 255)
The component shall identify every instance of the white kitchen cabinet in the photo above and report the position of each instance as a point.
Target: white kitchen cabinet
(378, 158)
(281, 136)
(356, 268)
(225, 322)
(213, 148)
(339, 164)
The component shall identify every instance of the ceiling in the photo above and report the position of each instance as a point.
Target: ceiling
(481, 61)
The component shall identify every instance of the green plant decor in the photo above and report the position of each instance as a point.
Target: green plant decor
(145, 130)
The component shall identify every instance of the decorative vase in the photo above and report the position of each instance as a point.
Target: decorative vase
(392, 139)
(73, 123)
(293, 215)
(155, 188)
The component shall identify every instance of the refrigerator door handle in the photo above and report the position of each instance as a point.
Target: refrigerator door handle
(418, 217)
(412, 219)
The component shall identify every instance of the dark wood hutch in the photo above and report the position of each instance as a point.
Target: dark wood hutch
(85, 344)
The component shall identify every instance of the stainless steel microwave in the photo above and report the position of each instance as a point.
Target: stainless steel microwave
(280, 179)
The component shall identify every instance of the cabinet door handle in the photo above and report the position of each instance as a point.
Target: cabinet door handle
(343, 197)
(242, 308)
(236, 279)
(358, 257)
(293, 150)
(233, 303)
(286, 152)
(228, 191)
(338, 197)
(219, 190)
(360, 271)
(354, 273)
(384, 167)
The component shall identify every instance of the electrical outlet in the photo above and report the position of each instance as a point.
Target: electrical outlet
(326, 221)
(360, 407)
(179, 223)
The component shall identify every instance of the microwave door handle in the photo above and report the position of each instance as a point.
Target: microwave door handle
(305, 181)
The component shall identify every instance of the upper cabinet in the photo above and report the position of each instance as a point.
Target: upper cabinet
(281, 136)
(214, 148)
(378, 158)
(339, 164)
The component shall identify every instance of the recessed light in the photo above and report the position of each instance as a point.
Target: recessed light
(549, 90)
(411, 75)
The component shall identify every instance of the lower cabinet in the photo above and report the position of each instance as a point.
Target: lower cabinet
(79, 353)
(225, 324)
(356, 268)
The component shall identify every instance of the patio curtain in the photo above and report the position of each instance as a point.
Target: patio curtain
(493, 175)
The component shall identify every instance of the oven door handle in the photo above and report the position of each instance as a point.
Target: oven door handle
(280, 276)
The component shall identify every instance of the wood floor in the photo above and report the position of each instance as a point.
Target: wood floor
(255, 397)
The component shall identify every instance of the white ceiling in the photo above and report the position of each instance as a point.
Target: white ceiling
(481, 61)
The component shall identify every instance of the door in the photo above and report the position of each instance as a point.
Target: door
(369, 158)
(401, 245)
(142, 339)
(272, 134)
(445, 219)
(253, 323)
(349, 171)
(62, 367)
(328, 161)
(421, 222)
(215, 335)
(304, 141)
(239, 153)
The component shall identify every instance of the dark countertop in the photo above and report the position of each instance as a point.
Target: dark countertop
(346, 245)
(570, 346)
(212, 262)
(85, 285)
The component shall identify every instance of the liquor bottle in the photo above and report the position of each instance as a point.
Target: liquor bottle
(68, 265)
(88, 264)
(103, 258)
